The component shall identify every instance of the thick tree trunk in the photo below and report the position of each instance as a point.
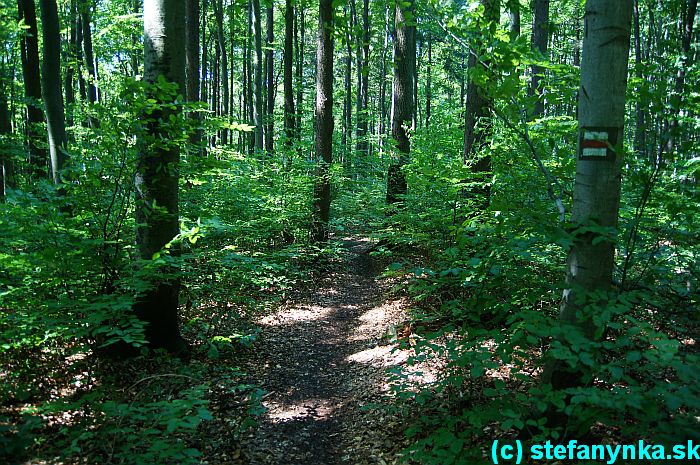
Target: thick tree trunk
(29, 44)
(589, 269)
(289, 117)
(324, 122)
(157, 175)
(258, 78)
(513, 18)
(51, 87)
(402, 98)
(540, 38)
(477, 124)
(270, 84)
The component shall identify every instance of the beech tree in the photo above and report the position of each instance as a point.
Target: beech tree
(601, 118)
(289, 116)
(324, 122)
(402, 98)
(157, 213)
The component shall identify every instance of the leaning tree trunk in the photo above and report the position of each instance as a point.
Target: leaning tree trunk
(157, 175)
(324, 122)
(51, 87)
(402, 98)
(29, 44)
(601, 117)
(289, 118)
(258, 78)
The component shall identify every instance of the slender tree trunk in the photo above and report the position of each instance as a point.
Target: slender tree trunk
(589, 269)
(640, 144)
(402, 98)
(258, 78)
(270, 78)
(157, 175)
(300, 67)
(223, 66)
(324, 122)
(88, 52)
(540, 37)
(71, 64)
(428, 82)
(192, 63)
(382, 81)
(38, 157)
(347, 104)
(51, 87)
(362, 83)
(289, 117)
(6, 167)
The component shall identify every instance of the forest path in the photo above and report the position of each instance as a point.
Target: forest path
(320, 360)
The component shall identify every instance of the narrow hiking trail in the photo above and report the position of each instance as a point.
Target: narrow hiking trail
(322, 359)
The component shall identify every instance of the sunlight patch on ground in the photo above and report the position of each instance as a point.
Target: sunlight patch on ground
(316, 409)
(380, 356)
(378, 320)
(297, 314)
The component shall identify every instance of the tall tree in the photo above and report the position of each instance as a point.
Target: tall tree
(157, 175)
(363, 83)
(270, 80)
(258, 77)
(324, 122)
(402, 97)
(51, 87)
(540, 38)
(29, 45)
(289, 117)
(513, 18)
(477, 125)
(223, 64)
(192, 61)
(601, 117)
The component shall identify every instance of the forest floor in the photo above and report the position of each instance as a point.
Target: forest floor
(321, 360)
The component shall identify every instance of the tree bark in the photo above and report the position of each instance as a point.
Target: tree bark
(289, 117)
(88, 52)
(29, 44)
(589, 269)
(540, 37)
(192, 64)
(270, 84)
(51, 88)
(363, 82)
(513, 19)
(258, 78)
(223, 101)
(157, 176)
(640, 144)
(324, 122)
(402, 98)
(428, 82)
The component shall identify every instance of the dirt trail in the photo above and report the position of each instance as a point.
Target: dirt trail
(321, 360)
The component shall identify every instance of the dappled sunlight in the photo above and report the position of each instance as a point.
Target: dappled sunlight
(380, 356)
(289, 316)
(314, 409)
(378, 320)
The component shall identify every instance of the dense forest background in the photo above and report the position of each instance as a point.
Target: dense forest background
(523, 176)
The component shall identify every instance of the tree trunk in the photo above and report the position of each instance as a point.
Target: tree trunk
(640, 143)
(347, 104)
(157, 175)
(289, 117)
(300, 67)
(589, 269)
(324, 122)
(363, 82)
(513, 18)
(38, 158)
(223, 66)
(51, 87)
(192, 64)
(428, 82)
(6, 168)
(382, 81)
(402, 98)
(88, 52)
(258, 78)
(270, 84)
(540, 36)
(477, 126)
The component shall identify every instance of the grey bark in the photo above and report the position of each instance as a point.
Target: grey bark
(540, 37)
(51, 88)
(270, 82)
(157, 176)
(258, 77)
(402, 98)
(324, 122)
(289, 117)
